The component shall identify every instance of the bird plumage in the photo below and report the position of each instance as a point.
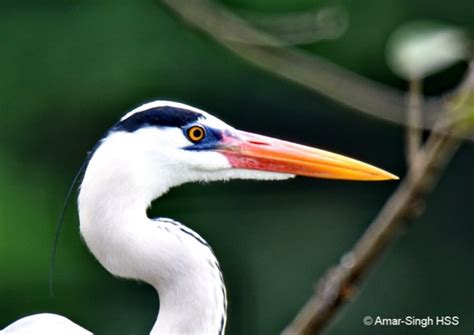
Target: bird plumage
(44, 324)
(153, 148)
(126, 173)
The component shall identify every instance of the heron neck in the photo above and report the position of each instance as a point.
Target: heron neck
(173, 259)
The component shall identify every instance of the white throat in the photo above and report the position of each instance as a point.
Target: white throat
(125, 174)
(114, 196)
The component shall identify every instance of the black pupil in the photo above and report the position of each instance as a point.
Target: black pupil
(196, 133)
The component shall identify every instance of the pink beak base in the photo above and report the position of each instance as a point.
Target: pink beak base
(256, 152)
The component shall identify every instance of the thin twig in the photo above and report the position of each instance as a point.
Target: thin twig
(304, 27)
(341, 282)
(268, 52)
(414, 120)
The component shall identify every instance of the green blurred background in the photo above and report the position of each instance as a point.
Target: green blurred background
(70, 69)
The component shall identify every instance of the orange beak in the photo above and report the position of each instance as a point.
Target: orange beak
(256, 152)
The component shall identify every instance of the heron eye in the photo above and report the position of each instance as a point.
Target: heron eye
(196, 133)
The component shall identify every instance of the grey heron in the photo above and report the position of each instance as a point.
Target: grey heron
(153, 148)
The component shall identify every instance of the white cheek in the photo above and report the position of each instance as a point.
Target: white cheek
(251, 175)
(259, 175)
(206, 160)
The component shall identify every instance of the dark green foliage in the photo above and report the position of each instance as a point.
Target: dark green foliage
(70, 69)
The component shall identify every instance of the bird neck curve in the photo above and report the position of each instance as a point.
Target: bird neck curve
(176, 261)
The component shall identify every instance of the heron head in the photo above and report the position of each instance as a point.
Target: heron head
(186, 144)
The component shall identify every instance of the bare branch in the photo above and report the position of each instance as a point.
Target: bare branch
(341, 282)
(414, 120)
(309, 26)
(268, 52)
